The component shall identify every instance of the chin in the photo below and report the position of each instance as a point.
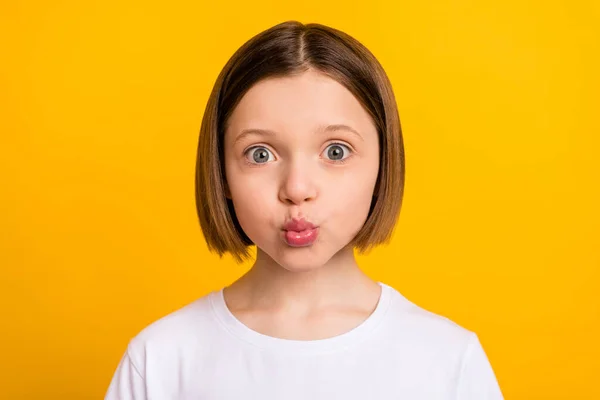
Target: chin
(300, 259)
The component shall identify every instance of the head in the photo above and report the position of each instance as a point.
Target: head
(300, 149)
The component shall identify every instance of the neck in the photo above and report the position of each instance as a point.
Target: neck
(268, 285)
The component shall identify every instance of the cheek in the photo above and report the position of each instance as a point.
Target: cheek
(352, 199)
(252, 201)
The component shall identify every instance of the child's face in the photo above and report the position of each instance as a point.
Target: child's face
(300, 169)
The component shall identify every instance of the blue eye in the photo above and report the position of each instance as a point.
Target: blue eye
(337, 151)
(259, 155)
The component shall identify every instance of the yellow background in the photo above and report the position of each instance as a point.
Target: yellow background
(100, 107)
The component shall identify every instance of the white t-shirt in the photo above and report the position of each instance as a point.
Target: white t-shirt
(401, 351)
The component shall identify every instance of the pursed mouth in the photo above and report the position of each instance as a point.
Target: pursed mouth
(305, 237)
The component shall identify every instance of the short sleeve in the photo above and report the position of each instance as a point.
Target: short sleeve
(477, 380)
(127, 383)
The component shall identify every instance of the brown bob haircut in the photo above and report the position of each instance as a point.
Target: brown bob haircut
(288, 49)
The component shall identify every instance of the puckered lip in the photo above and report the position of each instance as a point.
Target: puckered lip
(298, 225)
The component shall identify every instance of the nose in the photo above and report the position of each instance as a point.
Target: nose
(298, 183)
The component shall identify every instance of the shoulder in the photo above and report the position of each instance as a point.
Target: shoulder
(436, 348)
(191, 326)
(425, 331)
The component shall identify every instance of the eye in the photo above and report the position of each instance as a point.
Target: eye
(258, 155)
(337, 152)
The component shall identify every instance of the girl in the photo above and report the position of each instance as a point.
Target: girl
(301, 154)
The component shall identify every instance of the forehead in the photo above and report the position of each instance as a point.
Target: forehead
(297, 103)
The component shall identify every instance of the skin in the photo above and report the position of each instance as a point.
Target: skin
(301, 292)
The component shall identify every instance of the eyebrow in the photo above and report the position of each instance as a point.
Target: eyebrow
(341, 127)
(258, 132)
(270, 133)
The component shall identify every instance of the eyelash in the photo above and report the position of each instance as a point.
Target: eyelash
(351, 151)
